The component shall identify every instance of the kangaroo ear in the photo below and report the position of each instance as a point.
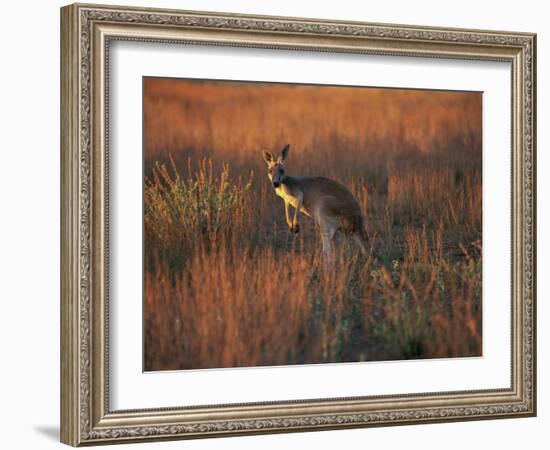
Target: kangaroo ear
(284, 152)
(268, 156)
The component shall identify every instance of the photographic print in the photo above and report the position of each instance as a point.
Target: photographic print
(281, 212)
(301, 224)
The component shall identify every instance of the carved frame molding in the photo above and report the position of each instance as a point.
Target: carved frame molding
(86, 32)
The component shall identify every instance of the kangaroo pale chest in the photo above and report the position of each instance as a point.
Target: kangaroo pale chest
(288, 196)
(284, 192)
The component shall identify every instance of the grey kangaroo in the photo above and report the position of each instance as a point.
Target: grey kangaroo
(329, 203)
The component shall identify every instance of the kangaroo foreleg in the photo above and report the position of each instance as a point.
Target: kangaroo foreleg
(287, 215)
(295, 228)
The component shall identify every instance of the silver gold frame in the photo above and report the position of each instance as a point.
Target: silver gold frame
(86, 34)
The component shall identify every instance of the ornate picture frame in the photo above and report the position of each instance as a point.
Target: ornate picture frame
(87, 32)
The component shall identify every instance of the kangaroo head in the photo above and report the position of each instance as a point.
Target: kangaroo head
(275, 170)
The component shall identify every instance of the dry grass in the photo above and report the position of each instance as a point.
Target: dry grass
(227, 285)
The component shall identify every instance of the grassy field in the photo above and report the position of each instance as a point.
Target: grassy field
(226, 284)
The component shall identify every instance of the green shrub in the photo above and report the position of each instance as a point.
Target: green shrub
(180, 210)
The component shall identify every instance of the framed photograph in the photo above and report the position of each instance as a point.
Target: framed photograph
(274, 224)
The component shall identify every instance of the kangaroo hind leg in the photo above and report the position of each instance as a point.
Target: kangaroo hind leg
(329, 225)
(327, 239)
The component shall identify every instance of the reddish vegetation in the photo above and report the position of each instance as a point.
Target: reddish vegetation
(227, 285)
